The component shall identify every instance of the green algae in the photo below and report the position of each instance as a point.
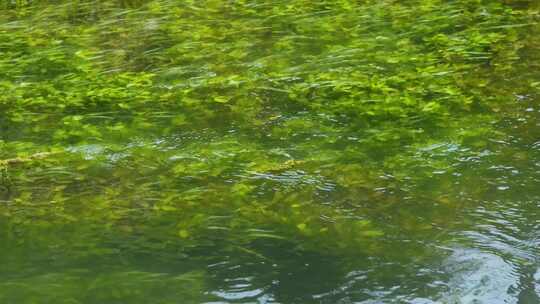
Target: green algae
(193, 130)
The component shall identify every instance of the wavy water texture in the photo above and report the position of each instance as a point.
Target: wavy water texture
(270, 151)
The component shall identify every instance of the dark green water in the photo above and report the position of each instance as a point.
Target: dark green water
(270, 151)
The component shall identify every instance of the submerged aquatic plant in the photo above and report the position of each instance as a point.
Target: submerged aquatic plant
(265, 130)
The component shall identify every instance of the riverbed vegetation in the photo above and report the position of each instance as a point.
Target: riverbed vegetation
(295, 151)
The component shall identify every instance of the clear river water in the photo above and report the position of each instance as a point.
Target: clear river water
(277, 151)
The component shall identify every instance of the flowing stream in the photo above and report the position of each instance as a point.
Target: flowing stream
(296, 151)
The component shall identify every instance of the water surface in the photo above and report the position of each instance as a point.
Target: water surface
(270, 152)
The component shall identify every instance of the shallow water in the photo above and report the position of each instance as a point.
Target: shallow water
(270, 152)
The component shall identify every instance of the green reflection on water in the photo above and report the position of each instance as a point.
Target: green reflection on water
(267, 151)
